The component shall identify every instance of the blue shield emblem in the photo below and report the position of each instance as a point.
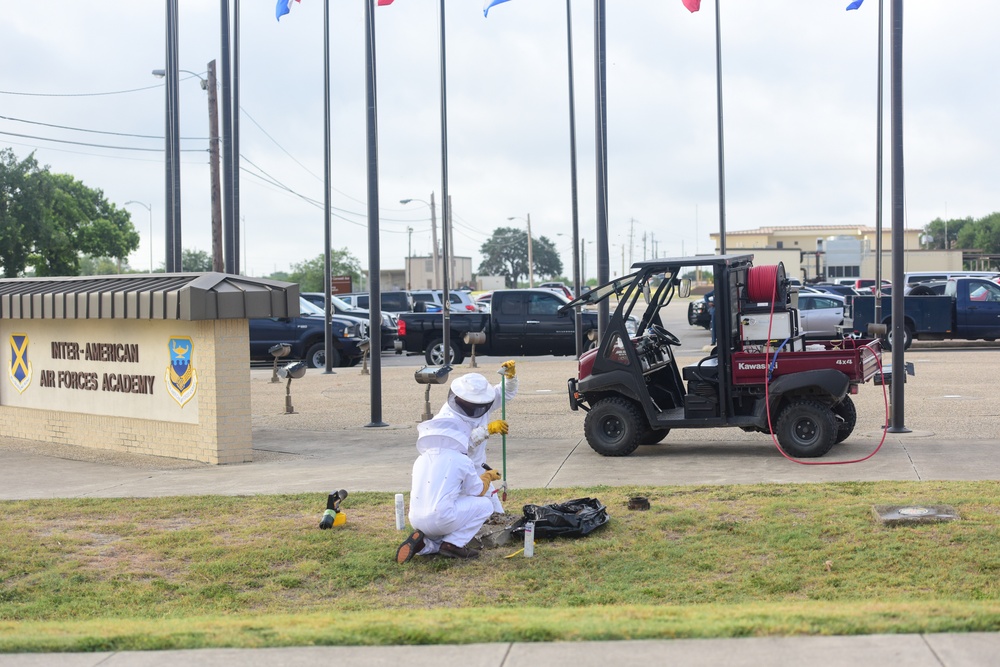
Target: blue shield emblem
(19, 369)
(182, 380)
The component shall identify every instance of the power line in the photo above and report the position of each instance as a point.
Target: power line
(84, 143)
(82, 129)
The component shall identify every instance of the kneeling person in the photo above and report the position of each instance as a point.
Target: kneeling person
(447, 497)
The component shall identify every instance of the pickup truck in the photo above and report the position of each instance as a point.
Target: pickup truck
(305, 334)
(969, 309)
(520, 322)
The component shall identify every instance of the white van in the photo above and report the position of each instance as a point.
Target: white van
(914, 277)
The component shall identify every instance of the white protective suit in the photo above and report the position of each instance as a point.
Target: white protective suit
(446, 501)
(480, 434)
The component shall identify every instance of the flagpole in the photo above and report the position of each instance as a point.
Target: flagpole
(327, 205)
(601, 130)
(897, 322)
(445, 203)
(578, 325)
(722, 158)
(878, 180)
(374, 263)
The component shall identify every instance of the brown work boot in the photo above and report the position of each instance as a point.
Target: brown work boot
(451, 551)
(410, 547)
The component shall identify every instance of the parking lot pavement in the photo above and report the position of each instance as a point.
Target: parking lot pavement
(953, 425)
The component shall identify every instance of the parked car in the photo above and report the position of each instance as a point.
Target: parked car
(562, 287)
(484, 301)
(835, 288)
(394, 302)
(820, 314)
(389, 327)
(429, 301)
(306, 335)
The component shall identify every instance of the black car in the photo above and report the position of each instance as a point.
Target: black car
(389, 327)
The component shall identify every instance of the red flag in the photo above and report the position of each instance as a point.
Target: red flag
(692, 5)
(383, 3)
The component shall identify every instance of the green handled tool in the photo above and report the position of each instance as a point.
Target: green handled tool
(503, 436)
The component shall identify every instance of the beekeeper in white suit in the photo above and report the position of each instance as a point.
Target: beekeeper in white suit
(472, 398)
(448, 504)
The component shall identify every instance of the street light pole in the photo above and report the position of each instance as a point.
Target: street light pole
(148, 207)
(434, 235)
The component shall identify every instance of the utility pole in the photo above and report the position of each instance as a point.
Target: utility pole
(450, 256)
(531, 257)
(218, 260)
(409, 255)
(434, 241)
(631, 234)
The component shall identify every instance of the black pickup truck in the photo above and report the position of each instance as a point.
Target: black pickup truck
(520, 322)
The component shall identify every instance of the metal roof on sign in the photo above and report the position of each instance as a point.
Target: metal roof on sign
(163, 296)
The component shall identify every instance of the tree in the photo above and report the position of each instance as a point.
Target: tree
(47, 220)
(506, 254)
(195, 261)
(309, 274)
(937, 228)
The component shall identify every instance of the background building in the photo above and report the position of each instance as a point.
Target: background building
(830, 252)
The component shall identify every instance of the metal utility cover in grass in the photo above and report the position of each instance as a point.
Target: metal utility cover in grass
(897, 515)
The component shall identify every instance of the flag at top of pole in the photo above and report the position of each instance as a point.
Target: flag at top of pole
(283, 7)
(854, 5)
(490, 3)
(692, 5)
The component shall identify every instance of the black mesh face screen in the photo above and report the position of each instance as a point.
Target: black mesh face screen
(471, 409)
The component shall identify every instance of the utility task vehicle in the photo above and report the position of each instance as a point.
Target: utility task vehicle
(762, 376)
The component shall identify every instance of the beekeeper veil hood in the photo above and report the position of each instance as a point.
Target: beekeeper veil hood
(471, 395)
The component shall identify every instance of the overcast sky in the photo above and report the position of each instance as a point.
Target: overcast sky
(799, 89)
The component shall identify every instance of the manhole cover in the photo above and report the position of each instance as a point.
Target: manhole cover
(891, 515)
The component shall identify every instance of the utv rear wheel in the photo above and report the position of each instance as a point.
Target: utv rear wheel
(806, 429)
(847, 416)
(613, 427)
(653, 436)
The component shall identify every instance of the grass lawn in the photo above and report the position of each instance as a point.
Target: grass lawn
(707, 561)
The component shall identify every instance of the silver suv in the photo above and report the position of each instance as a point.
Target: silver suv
(429, 301)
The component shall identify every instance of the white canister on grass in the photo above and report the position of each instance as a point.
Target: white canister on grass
(400, 514)
(529, 539)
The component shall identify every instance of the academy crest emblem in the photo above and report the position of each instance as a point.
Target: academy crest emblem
(181, 378)
(19, 369)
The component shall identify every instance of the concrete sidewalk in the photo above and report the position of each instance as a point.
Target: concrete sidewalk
(326, 446)
(930, 650)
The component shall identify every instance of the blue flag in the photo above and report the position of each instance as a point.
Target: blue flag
(490, 3)
(282, 8)
(854, 5)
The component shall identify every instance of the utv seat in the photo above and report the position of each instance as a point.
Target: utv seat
(706, 370)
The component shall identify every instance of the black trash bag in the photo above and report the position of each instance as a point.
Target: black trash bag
(573, 518)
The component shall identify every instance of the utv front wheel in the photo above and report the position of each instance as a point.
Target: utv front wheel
(806, 429)
(847, 416)
(613, 427)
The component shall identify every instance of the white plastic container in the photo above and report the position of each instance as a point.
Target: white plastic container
(400, 514)
(529, 539)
